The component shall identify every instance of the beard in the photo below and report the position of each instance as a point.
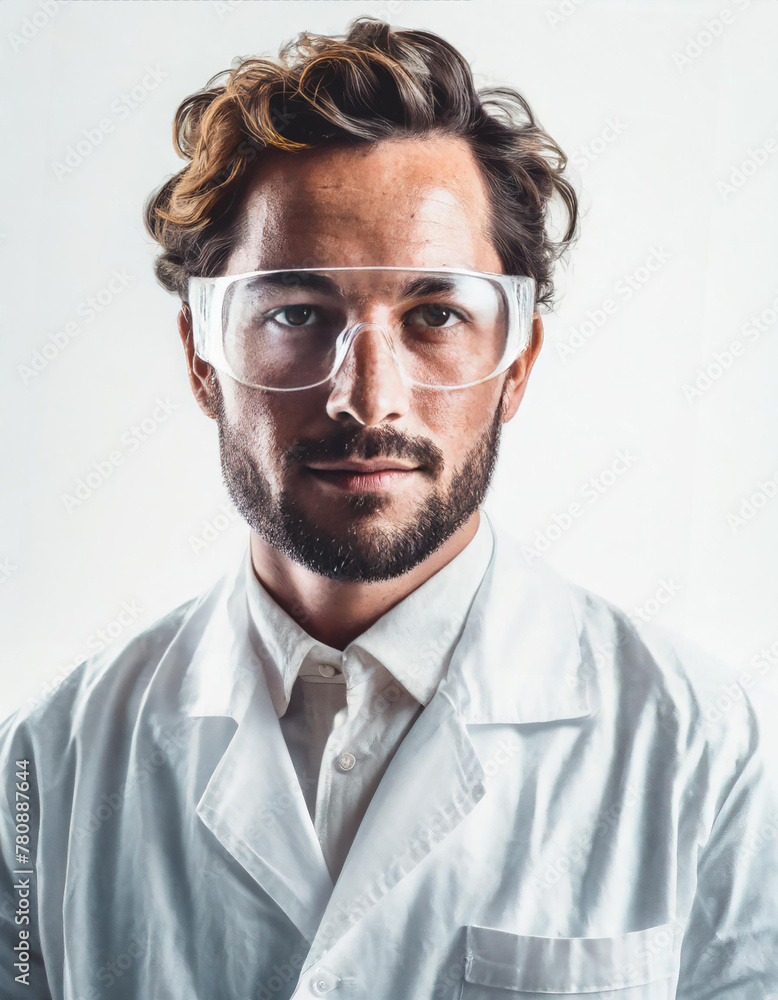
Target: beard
(366, 550)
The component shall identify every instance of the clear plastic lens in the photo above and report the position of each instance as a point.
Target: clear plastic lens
(292, 329)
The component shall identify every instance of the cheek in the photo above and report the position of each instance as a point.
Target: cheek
(256, 422)
(269, 423)
(457, 420)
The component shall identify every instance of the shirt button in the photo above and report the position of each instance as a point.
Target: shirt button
(346, 761)
(327, 670)
(323, 981)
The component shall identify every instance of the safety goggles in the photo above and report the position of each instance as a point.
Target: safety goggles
(286, 330)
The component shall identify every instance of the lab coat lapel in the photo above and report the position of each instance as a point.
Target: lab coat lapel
(519, 661)
(431, 784)
(253, 803)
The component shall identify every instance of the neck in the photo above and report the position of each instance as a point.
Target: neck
(335, 612)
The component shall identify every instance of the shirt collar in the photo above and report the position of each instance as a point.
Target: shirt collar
(414, 640)
(527, 654)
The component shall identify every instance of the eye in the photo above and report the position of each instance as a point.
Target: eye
(296, 315)
(433, 314)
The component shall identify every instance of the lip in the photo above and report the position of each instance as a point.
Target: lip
(353, 477)
(366, 466)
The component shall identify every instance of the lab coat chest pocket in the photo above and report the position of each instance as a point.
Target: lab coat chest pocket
(636, 966)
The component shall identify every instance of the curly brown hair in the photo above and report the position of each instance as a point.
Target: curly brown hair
(370, 84)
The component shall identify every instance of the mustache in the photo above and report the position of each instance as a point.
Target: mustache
(379, 442)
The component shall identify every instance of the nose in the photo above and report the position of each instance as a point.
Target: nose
(368, 387)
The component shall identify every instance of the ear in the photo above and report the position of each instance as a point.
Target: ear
(202, 377)
(518, 374)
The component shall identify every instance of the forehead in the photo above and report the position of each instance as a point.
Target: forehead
(404, 202)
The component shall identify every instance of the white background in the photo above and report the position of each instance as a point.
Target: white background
(657, 104)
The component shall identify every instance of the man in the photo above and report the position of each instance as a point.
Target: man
(383, 757)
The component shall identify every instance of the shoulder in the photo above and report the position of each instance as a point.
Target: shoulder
(644, 654)
(644, 674)
(678, 700)
(679, 704)
(110, 686)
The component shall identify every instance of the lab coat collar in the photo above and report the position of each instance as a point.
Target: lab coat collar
(223, 670)
(523, 657)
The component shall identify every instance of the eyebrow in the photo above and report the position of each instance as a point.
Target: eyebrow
(428, 284)
(298, 279)
(417, 287)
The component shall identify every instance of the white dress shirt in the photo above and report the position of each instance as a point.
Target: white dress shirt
(343, 714)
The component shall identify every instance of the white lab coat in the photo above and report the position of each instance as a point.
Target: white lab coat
(567, 816)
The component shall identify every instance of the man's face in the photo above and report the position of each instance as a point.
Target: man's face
(402, 203)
